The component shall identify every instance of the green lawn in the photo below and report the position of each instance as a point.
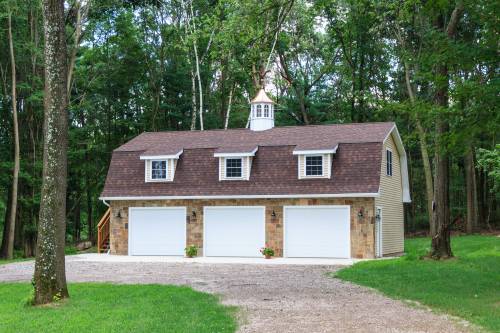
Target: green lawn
(95, 307)
(467, 286)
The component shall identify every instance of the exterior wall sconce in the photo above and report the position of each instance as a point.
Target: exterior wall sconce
(193, 213)
(361, 214)
(273, 214)
(118, 214)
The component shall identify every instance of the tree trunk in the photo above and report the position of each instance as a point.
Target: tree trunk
(471, 188)
(230, 102)
(15, 176)
(193, 101)
(6, 225)
(50, 275)
(441, 240)
(90, 220)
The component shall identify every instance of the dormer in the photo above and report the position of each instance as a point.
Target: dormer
(235, 163)
(314, 163)
(160, 168)
(261, 112)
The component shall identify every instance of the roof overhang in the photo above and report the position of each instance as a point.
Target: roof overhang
(402, 161)
(244, 196)
(315, 151)
(161, 157)
(221, 153)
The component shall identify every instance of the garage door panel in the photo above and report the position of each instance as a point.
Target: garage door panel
(157, 231)
(234, 231)
(317, 232)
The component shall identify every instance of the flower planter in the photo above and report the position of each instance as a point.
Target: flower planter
(267, 256)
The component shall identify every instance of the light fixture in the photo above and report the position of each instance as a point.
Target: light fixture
(273, 214)
(193, 213)
(118, 214)
(360, 213)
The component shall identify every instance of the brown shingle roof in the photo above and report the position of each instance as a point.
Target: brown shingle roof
(355, 168)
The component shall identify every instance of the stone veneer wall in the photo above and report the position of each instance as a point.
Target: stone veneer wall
(362, 229)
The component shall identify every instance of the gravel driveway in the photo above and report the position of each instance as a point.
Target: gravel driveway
(284, 298)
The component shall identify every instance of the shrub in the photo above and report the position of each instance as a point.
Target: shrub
(191, 251)
(267, 251)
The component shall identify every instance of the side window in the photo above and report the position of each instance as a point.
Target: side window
(389, 162)
(158, 169)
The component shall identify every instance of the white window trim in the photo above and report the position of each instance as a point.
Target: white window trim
(322, 166)
(327, 166)
(242, 168)
(148, 174)
(386, 162)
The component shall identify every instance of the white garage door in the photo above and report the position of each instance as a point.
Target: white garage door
(157, 231)
(234, 231)
(317, 231)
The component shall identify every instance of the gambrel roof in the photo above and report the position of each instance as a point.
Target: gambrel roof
(356, 164)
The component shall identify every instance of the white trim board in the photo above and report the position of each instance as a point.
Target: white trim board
(161, 157)
(251, 196)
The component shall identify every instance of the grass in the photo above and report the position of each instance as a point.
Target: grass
(99, 307)
(68, 250)
(467, 286)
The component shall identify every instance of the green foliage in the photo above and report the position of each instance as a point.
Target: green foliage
(267, 251)
(489, 161)
(191, 251)
(116, 308)
(466, 286)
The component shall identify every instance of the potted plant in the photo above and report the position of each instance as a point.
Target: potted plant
(267, 252)
(191, 251)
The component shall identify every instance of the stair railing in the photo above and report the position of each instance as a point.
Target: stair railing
(103, 230)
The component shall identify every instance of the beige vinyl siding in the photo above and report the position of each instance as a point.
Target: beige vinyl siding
(327, 164)
(391, 202)
(245, 168)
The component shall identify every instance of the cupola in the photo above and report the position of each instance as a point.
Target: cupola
(262, 112)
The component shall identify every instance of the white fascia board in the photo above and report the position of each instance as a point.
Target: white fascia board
(251, 196)
(313, 152)
(402, 161)
(161, 157)
(252, 153)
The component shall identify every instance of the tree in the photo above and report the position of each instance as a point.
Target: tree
(9, 247)
(441, 240)
(50, 275)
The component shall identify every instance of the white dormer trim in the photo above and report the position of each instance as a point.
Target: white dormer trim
(327, 166)
(162, 157)
(246, 167)
(315, 152)
(252, 153)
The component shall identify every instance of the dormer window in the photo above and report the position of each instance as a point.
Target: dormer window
(159, 170)
(314, 165)
(234, 167)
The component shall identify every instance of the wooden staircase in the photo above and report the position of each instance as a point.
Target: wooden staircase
(103, 232)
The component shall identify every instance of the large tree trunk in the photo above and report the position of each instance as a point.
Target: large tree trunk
(441, 240)
(9, 249)
(471, 188)
(50, 275)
